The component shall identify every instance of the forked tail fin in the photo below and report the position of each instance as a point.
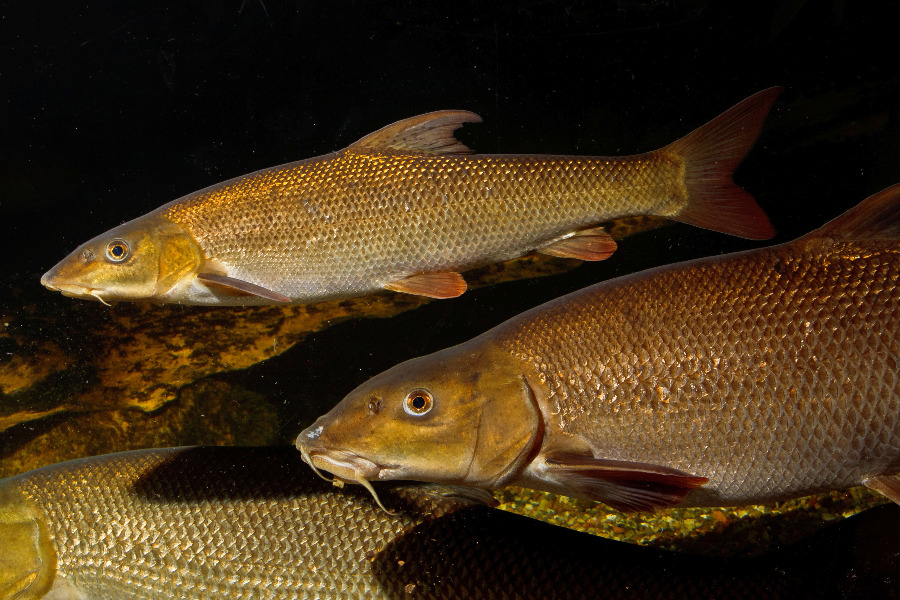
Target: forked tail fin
(711, 154)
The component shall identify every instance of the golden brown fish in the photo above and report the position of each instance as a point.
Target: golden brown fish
(242, 523)
(739, 379)
(407, 208)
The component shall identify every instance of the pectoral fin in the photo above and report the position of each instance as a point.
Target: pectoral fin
(587, 244)
(889, 485)
(432, 285)
(242, 286)
(623, 485)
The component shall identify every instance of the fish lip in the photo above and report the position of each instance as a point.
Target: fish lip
(346, 466)
(71, 290)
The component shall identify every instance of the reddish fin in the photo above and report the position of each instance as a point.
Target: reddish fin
(432, 285)
(623, 485)
(889, 485)
(242, 286)
(875, 218)
(587, 244)
(711, 153)
(431, 133)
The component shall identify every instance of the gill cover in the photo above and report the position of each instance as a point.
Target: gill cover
(27, 557)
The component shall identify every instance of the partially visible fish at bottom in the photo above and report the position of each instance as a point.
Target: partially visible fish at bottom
(240, 523)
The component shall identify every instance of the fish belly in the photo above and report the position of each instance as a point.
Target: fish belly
(774, 373)
(352, 223)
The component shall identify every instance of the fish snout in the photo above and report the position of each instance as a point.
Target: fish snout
(346, 466)
(47, 280)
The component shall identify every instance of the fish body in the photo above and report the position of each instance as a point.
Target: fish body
(407, 208)
(242, 523)
(739, 379)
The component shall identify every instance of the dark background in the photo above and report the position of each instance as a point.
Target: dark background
(112, 108)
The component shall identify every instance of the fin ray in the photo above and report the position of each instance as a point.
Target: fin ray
(625, 486)
(242, 286)
(587, 244)
(876, 217)
(711, 153)
(431, 133)
(432, 285)
(889, 485)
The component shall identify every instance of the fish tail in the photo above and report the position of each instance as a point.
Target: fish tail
(711, 153)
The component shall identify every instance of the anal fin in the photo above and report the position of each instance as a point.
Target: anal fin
(623, 485)
(242, 286)
(431, 285)
(889, 485)
(587, 244)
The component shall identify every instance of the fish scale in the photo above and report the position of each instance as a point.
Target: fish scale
(175, 538)
(804, 340)
(400, 221)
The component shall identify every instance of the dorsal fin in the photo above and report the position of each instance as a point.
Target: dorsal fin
(431, 133)
(875, 218)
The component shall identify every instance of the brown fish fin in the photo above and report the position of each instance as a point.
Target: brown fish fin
(432, 285)
(623, 485)
(242, 286)
(876, 217)
(711, 153)
(587, 244)
(889, 485)
(431, 133)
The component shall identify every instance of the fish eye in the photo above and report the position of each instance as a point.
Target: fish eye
(117, 250)
(418, 402)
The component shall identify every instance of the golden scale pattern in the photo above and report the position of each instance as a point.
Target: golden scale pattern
(253, 523)
(772, 374)
(199, 546)
(348, 222)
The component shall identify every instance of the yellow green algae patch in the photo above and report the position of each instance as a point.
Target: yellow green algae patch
(726, 531)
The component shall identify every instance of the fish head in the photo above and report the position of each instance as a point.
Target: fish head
(462, 416)
(143, 259)
(27, 556)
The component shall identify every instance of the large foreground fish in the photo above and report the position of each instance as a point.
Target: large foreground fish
(254, 523)
(739, 379)
(407, 208)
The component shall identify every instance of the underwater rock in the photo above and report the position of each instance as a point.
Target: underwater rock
(207, 413)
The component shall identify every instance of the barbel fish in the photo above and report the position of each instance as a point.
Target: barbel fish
(740, 379)
(241, 523)
(407, 208)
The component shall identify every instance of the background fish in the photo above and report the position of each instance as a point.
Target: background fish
(407, 208)
(739, 379)
(195, 523)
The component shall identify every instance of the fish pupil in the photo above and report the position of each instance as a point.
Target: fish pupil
(418, 402)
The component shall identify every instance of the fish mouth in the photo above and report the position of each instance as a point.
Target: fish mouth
(71, 290)
(346, 467)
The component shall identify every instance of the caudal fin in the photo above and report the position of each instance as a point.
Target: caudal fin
(711, 153)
